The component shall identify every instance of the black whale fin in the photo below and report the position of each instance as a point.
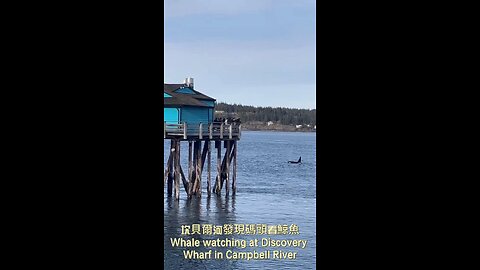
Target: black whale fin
(296, 162)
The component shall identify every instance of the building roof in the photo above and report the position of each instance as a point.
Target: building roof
(180, 99)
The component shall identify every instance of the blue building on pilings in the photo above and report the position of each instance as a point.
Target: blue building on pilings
(182, 103)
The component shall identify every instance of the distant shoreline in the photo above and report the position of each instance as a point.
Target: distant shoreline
(266, 119)
(275, 128)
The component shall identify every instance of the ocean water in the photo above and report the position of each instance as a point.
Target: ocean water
(269, 191)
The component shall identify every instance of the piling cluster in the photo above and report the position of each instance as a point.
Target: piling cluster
(199, 153)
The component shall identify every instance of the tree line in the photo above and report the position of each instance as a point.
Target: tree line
(283, 116)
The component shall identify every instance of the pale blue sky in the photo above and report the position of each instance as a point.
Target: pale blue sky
(251, 52)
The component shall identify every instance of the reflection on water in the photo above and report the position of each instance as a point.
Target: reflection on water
(269, 192)
(217, 210)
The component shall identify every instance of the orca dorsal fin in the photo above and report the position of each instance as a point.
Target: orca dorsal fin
(299, 160)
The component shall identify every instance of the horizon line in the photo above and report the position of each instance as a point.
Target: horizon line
(263, 106)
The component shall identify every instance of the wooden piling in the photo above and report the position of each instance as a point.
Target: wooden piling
(227, 187)
(190, 167)
(209, 154)
(177, 170)
(234, 179)
(171, 169)
(218, 183)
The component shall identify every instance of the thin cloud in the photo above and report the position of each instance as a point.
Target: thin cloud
(245, 63)
(180, 8)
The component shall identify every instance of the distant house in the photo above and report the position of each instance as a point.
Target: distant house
(182, 103)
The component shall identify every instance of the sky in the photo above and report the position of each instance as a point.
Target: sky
(250, 52)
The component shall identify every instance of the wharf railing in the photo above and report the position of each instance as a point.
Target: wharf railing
(201, 131)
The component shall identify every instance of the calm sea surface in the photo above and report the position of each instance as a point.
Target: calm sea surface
(269, 191)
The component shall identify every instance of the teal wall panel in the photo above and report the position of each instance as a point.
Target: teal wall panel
(195, 115)
(171, 115)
